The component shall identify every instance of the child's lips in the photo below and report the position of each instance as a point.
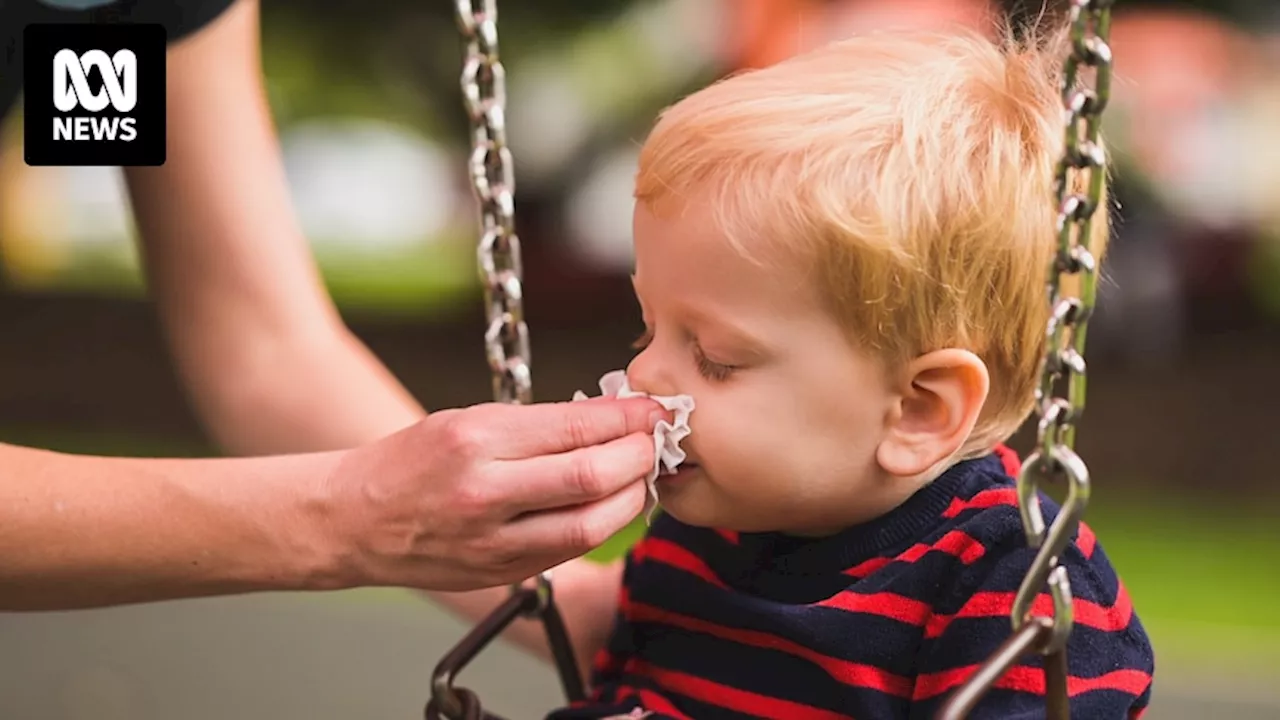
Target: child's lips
(684, 470)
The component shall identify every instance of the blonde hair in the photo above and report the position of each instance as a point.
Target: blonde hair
(913, 171)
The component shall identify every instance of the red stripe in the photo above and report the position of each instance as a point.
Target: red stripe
(849, 673)
(729, 535)
(624, 693)
(956, 543)
(653, 701)
(985, 499)
(730, 698)
(650, 700)
(1012, 463)
(1031, 680)
(1131, 681)
(867, 567)
(606, 663)
(994, 604)
(934, 684)
(990, 498)
(884, 604)
(1086, 541)
(669, 553)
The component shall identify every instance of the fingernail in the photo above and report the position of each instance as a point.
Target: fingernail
(656, 416)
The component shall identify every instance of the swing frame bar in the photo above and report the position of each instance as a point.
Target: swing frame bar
(453, 702)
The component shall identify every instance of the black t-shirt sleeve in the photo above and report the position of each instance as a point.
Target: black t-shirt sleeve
(180, 18)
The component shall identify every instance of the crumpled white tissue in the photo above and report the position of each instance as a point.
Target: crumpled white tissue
(667, 454)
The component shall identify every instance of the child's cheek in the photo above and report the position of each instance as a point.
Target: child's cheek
(718, 435)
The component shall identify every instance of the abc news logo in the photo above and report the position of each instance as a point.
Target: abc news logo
(95, 94)
(71, 90)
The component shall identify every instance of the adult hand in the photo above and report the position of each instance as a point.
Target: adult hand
(491, 494)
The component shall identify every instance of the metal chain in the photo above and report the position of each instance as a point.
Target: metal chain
(1079, 181)
(492, 167)
(493, 181)
(1079, 184)
(506, 336)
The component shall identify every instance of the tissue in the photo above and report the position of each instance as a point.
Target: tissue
(667, 454)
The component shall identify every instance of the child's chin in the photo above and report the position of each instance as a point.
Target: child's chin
(687, 515)
(681, 500)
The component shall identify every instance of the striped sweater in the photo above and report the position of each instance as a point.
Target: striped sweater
(880, 621)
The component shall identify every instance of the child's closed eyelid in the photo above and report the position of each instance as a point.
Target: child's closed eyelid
(710, 369)
(643, 341)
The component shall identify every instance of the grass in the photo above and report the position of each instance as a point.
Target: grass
(1202, 578)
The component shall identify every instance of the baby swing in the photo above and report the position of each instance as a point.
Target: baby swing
(1083, 165)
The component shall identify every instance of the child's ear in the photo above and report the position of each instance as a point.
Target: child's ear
(940, 397)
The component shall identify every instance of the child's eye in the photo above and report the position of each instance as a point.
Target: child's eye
(711, 370)
(708, 369)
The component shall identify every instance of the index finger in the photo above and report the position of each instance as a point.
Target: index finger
(549, 428)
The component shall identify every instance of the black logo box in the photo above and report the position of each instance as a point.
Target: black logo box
(41, 42)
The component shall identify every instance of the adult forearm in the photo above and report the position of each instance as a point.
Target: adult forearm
(293, 393)
(269, 364)
(266, 359)
(403, 511)
(80, 531)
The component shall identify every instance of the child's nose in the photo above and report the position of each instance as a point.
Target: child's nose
(647, 374)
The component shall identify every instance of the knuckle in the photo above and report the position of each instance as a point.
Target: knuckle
(584, 475)
(577, 427)
(462, 435)
(491, 551)
(471, 502)
(578, 536)
(475, 498)
(591, 534)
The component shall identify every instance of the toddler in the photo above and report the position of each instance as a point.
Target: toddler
(841, 258)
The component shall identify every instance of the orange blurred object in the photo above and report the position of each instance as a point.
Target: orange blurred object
(763, 32)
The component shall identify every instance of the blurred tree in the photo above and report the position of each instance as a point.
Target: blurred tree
(400, 59)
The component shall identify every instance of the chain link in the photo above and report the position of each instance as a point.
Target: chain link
(1079, 183)
(506, 337)
(493, 182)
